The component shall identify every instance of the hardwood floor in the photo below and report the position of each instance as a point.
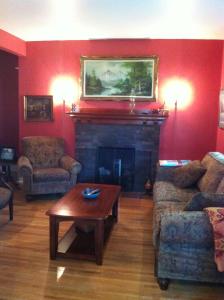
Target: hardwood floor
(126, 273)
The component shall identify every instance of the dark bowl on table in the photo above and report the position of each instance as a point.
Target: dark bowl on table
(87, 193)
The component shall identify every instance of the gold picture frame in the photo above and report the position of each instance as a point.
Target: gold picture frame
(119, 78)
(38, 108)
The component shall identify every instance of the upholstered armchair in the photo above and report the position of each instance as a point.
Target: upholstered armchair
(44, 167)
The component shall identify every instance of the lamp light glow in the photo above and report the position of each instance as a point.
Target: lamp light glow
(65, 88)
(177, 93)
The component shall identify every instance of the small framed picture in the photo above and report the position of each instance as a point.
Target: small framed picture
(38, 108)
(221, 109)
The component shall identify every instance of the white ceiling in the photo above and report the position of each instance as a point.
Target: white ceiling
(35, 20)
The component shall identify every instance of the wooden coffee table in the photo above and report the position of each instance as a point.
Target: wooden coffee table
(93, 221)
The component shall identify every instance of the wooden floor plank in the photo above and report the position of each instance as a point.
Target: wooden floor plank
(126, 273)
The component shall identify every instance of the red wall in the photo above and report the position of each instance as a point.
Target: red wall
(12, 44)
(188, 133)
(8, 99)
(220, 132)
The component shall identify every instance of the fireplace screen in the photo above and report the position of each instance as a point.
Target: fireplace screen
(116, 166)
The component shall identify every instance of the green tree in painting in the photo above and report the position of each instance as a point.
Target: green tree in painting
(93, 84)
(138, 78)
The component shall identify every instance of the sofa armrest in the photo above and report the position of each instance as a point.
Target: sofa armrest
(186, 228)
(24, 166)
(165, 173)
(70, 164)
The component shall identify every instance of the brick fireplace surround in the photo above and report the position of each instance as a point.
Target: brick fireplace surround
(120, 129)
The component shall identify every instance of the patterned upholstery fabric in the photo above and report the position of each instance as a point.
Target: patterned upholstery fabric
(216, 217)
(183, 240)
(161, 208)
(44, 166)
(210, 181)
(220, 188)
(214, 174)
(189, 174)
(167, 191)
(43, 152)
(50, 174)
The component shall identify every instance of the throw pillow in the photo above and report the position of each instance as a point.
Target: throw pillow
(189, 174)
(210, 181)
(202, 200)
(220, 188)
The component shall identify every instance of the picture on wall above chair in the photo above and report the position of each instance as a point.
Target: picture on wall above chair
(38, 108)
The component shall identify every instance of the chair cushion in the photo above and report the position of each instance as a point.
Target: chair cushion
(189, 174)
(5, 195)
(50, 174)
(43, 151)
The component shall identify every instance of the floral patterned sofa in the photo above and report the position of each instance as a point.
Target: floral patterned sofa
(182, 234)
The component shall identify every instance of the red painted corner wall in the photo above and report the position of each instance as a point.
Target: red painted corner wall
(8, 100)
(188, 133)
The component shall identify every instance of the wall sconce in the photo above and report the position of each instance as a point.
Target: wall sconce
(177, 93)
(65, 88)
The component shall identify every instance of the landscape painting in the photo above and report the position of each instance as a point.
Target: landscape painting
(119, 78)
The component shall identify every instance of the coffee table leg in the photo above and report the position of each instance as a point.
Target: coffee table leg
(115, 211)
(54, 226)
(99, 241)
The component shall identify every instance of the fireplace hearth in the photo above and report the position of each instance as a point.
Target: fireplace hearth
(137, 139)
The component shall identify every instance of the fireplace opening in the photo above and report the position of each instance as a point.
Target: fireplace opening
(116, 166)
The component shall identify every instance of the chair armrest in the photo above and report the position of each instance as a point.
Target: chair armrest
(24, 166)
(70, 164)
(186, 228)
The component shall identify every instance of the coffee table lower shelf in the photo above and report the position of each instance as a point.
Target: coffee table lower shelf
(82, 245)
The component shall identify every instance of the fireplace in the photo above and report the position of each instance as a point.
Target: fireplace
(116, 166)
(130, 140)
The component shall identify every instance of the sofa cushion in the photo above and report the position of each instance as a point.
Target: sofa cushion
(50, 174)
(203, 200)
(220, 188)
(214, 163)
(189, 174)
(167, 191)
(210, 180)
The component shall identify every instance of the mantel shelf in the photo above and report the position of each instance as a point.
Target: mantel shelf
(117, 116)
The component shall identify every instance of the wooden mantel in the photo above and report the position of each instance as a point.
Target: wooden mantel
(117, 116)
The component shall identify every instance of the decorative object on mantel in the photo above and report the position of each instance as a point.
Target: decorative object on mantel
(75, 107)
(132, 101)
(38, 108)
(146, 116)
(114, 78)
